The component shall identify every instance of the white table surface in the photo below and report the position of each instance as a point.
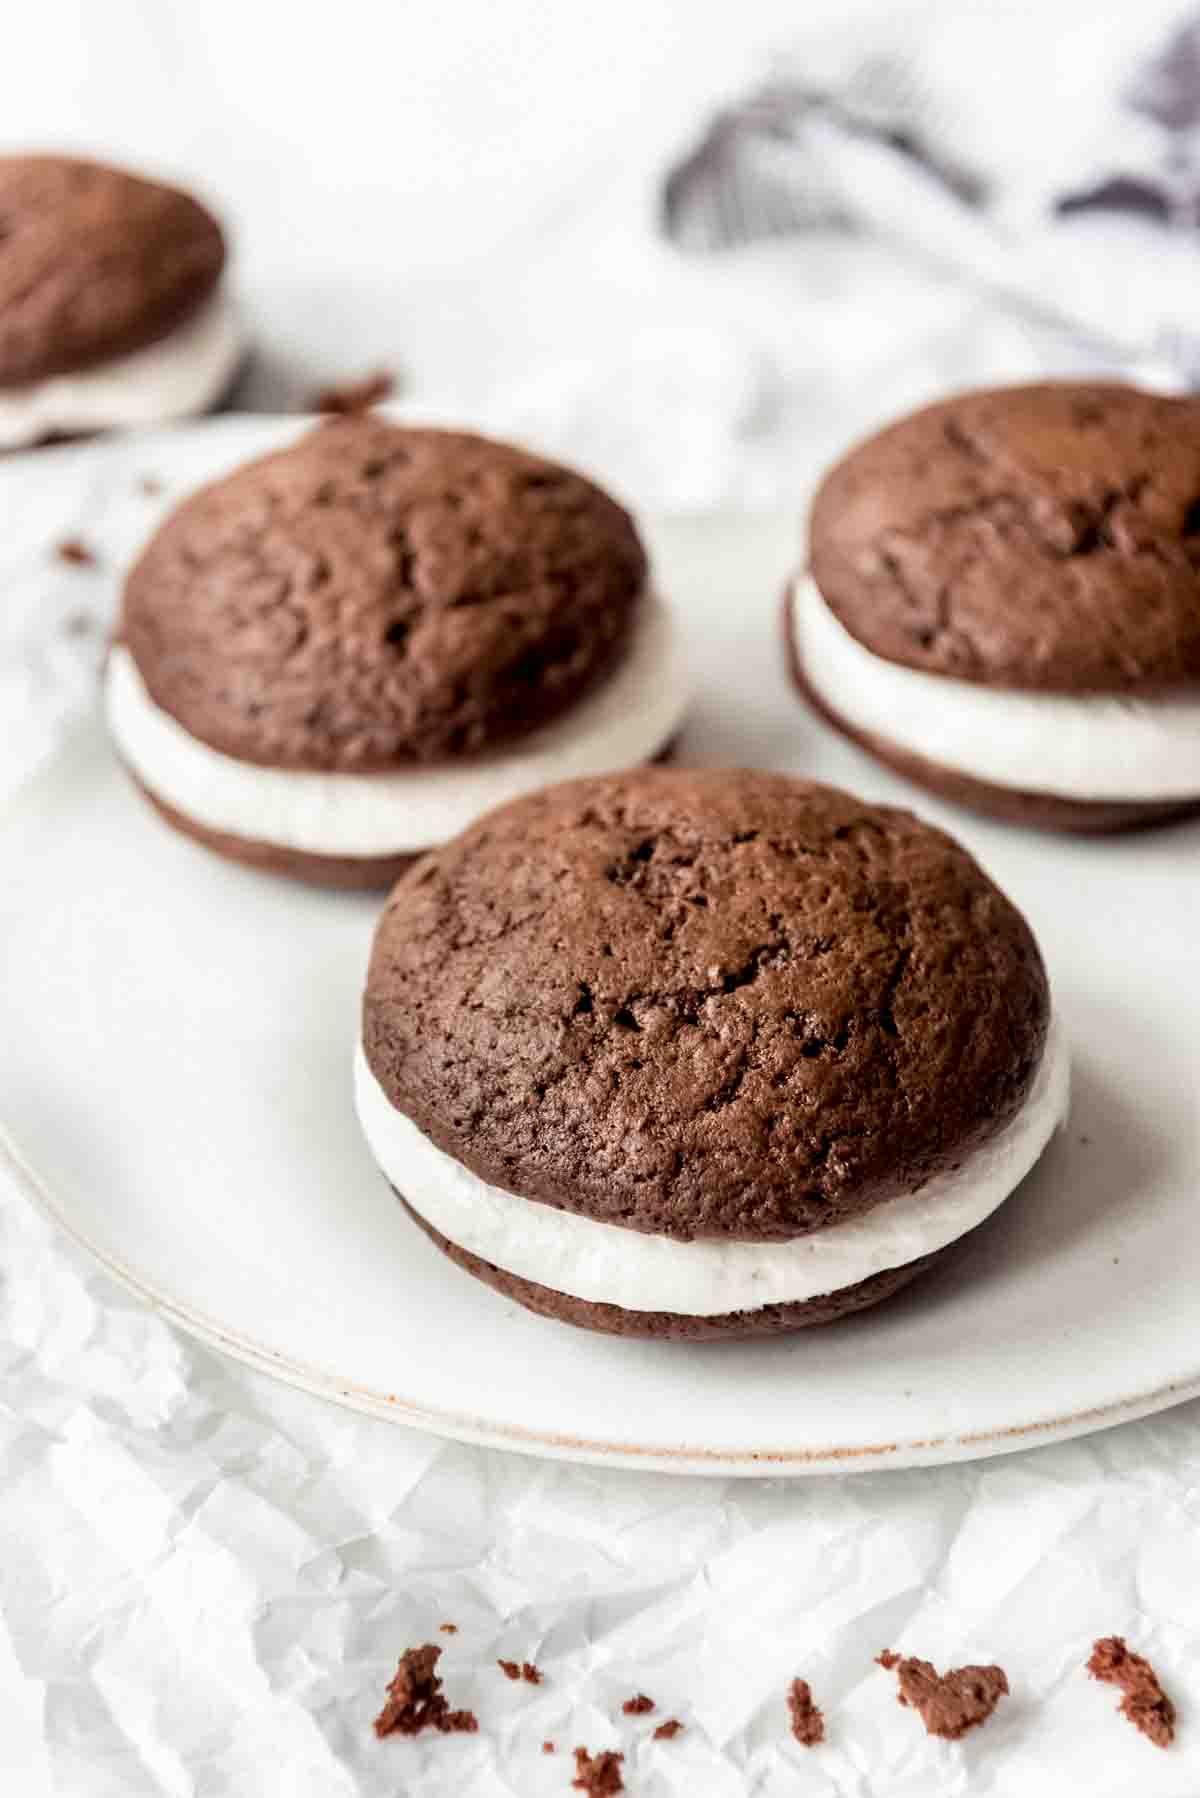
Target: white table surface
(205, 1578)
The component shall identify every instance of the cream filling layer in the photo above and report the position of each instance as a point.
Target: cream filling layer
(606, 1264)
(1091, 746)
(627, 720)
(181, 375)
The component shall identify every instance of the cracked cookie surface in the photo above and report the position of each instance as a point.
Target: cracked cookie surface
(94, 263)
(375, 596)
(704, 1002)
(1043, 537)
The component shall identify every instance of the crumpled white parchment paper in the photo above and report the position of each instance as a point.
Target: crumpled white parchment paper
(206, 1580)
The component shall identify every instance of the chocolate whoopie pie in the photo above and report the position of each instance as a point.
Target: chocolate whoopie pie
(1004, 602)
(110, 310)
(343, 653)
(697, 1053)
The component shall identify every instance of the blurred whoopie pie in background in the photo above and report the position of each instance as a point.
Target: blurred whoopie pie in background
(111, 310)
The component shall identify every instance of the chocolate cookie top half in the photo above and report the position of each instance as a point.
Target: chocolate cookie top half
(375, 596)
(1043, 537)
(704, 1003)
(94, 263)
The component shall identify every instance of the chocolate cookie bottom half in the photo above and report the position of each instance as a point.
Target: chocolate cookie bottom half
(345, 873)
(992, 750)
(349, 873)
(672, 1326)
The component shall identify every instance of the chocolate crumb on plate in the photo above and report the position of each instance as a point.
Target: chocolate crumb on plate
(356, 396)
(599, 1775)
(448, 1629)
(1145, 1703)
(808, 1723)
(415, 1701)
(666, 1732)
(510, 1669)
(76, 553)
(638, 1706)
(948, 1704)
(549, 1748)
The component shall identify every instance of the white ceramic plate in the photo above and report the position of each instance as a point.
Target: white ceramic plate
(175, 1072)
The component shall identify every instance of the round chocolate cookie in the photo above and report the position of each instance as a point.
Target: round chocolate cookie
(109, 314)
(1004, 602)
(94, 263)
(375, 595)
(703, 1052)
(345, 651)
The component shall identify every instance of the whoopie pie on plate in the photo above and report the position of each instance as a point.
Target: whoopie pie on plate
(700, 1053)
(111, 313)
(341, 654)
(1003, 602)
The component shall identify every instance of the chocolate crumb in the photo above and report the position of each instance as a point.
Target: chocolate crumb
(458, 1723)
(808, 1723)
(1145, 1703)
(356, 396)
(521, 1670)
(448, 1629)
(599, 1775)
(548, 1748)
(75, 552)
(638, 1707)
(948, 1704)
(412, 1696)
(415, 1701)
(666, 1732)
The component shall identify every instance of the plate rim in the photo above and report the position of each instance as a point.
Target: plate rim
(770, 1463)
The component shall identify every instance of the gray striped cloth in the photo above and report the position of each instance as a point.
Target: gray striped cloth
(1048, 156)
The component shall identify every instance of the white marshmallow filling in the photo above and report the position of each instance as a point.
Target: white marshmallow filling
(181, 375)
(1093, 746)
